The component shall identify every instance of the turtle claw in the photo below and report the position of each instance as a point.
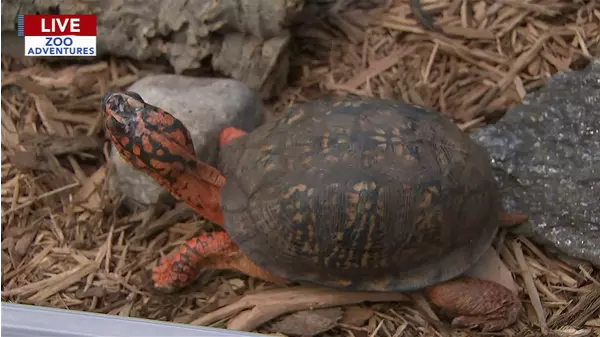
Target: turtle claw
(253, 310)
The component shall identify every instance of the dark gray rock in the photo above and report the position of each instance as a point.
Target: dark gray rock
(546, 152)
(205, 105)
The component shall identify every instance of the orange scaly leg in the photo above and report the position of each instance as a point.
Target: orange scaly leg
(207, 251)
(213, 250)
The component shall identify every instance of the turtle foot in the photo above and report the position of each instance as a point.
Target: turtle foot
(209, 251)
(253, 310)
(477, 303)
(186, 263)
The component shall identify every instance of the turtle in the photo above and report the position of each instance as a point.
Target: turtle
(352, 193)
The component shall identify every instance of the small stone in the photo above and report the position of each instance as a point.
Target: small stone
(205, 106)
(546, 152)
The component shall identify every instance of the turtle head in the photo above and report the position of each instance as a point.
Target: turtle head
(156, 143)
(142, 132)
(122, 114)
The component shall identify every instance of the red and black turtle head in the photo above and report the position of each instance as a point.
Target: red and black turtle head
(122, 114)
(143, 134)
(158, 144)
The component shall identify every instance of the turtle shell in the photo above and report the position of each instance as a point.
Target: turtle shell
(360, 193)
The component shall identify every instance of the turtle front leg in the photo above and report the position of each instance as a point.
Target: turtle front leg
(214, 250)
(476, 303)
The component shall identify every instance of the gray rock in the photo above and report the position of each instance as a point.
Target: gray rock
(547, 155)
(205, 105)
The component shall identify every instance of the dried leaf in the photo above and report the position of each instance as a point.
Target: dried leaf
(307, 322)
(356, 315)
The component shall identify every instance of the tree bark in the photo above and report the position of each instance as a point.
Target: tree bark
(245, 39)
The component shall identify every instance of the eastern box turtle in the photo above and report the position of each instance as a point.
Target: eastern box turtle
(352, 193)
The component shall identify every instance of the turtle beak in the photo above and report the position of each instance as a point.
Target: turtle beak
(113, 104)
(120, 112)
(122, 103)
(107, 98)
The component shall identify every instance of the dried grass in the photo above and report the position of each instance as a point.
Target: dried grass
(67, 243)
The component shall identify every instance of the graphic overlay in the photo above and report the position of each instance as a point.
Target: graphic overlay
(58, 35)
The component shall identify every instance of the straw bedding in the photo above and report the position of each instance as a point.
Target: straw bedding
(67, 243)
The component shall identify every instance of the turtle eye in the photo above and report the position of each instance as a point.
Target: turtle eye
(134, 95)
(115, 127)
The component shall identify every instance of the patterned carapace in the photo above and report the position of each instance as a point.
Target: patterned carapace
(354, 193)
(360, 193)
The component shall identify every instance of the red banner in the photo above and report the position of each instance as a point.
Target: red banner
(59, 25)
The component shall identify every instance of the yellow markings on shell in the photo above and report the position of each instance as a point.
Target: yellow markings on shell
(293, 189)
(427, 196)
(352, 209)
(331, 159)
(399, 149)
(363, 185)
(298, 235)
(381, 284)
(426, 199)
(380, 202)
(364, 261)
(306, 160)
(365, 258)
(325, 143)
(298, 217)
(352, 197)
(267, 147)
(380, 131)
(344, 283)
(333, 253)
(379, 138)
(297, 115)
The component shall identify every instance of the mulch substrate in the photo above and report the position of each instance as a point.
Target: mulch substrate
(68, 243)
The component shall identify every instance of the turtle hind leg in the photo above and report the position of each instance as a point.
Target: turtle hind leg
(476, 303)
(214, 250)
